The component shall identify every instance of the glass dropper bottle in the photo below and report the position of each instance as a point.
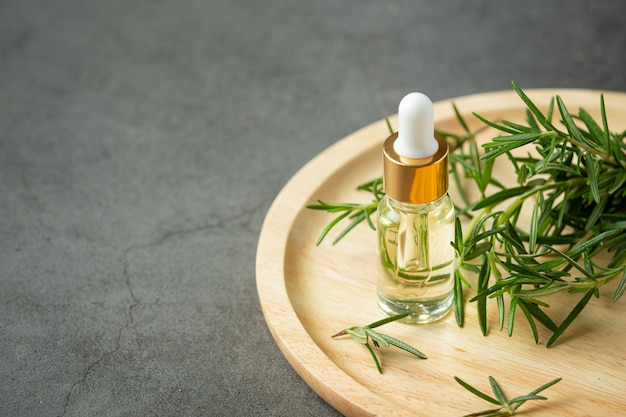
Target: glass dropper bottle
(415, 218)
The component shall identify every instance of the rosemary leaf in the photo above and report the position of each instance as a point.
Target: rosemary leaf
(459, 304)
(536, 312)
(543, 120)
(512, 307)
(497, 390)
(378, 367)
(477, 392)
(529, 318)
(619, 291)
(400, 344)
(376, 337)
(499, 197)
(386, 320)
(570, 318)
(483, 281)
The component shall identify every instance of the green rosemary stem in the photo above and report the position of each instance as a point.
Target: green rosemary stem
(471, 228)
(363, 335)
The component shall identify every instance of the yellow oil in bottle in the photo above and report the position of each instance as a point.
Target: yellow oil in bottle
(416, 260)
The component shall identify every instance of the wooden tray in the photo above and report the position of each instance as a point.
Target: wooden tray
(308, 293)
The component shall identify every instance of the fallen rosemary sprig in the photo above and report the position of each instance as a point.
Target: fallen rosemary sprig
(575, 187)
(365, 333)
(507, 407)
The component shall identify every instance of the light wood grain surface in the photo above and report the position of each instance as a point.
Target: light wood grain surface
(307, 293)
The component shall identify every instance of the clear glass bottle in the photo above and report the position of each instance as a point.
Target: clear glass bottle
(416, 265)
(415, 219)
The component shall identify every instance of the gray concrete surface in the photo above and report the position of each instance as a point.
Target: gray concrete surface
(142, 142)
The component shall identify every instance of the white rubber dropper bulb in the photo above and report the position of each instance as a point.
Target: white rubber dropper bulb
(416, 127)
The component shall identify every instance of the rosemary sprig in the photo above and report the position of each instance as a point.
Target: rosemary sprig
(569, 184)
(574, 184)
(357, 213)
(365, 333)
(506, 407)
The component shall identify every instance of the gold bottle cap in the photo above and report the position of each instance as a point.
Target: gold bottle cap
(415, 180)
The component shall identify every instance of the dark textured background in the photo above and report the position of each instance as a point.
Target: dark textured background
(142, 142)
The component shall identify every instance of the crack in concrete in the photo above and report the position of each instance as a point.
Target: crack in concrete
(244, 218)
(90, 367)
(134, 303)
